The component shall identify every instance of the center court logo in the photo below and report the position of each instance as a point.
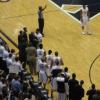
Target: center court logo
(73, 8)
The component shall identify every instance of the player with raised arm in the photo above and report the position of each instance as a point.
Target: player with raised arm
(85, 19)
(41, 18)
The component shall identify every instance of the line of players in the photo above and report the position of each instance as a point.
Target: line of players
(50, 69)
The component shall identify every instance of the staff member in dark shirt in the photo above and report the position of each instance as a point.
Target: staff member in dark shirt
(41, 18)
(33, 40)
(91, 92)
(96, 96)
(62, 87)
(72, 83)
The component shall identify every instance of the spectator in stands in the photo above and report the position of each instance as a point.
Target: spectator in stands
(91, 92)
(5, 93)
(13, 54)
(17, 66)
(1, 86)
(7, 47)
(2, 48)
(41, 19)
(9, 61)
(4, 67)
(31, 58)
(5, 54)
(1, 40)
(27, 94)
(16, 86)
(28, 97)
(1, 53)
(72, 83)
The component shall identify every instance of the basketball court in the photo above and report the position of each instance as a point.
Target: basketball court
(62, 33)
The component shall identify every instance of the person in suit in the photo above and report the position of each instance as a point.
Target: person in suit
(22, 44)
(78, 91)
(31, 58)
(25, 34)
(72, 83)
(33, 39)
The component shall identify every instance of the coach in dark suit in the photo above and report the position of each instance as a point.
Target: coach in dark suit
(31, 58)
(33, 39)
(22, 44)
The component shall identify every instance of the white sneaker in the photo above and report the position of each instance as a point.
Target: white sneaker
(83, 33)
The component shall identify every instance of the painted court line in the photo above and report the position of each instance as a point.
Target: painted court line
(64, 5)
(64, 11)
(95, 16)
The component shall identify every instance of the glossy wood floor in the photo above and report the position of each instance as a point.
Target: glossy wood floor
(62, 34)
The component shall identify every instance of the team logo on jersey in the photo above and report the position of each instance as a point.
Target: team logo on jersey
(73, 8)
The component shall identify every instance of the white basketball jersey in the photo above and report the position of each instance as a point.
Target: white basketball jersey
(85, 12)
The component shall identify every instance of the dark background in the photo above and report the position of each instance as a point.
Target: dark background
(93, 5)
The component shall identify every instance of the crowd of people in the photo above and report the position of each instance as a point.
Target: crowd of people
(13, 82)
(48, 66)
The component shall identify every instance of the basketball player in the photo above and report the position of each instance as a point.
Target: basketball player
(17, 66)
(42, 73)
(39, 36)
(49, 58)
(55, 70)
(40, 55)
(41, 19)
(40, 51)
(85, 19)
(57, 58)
